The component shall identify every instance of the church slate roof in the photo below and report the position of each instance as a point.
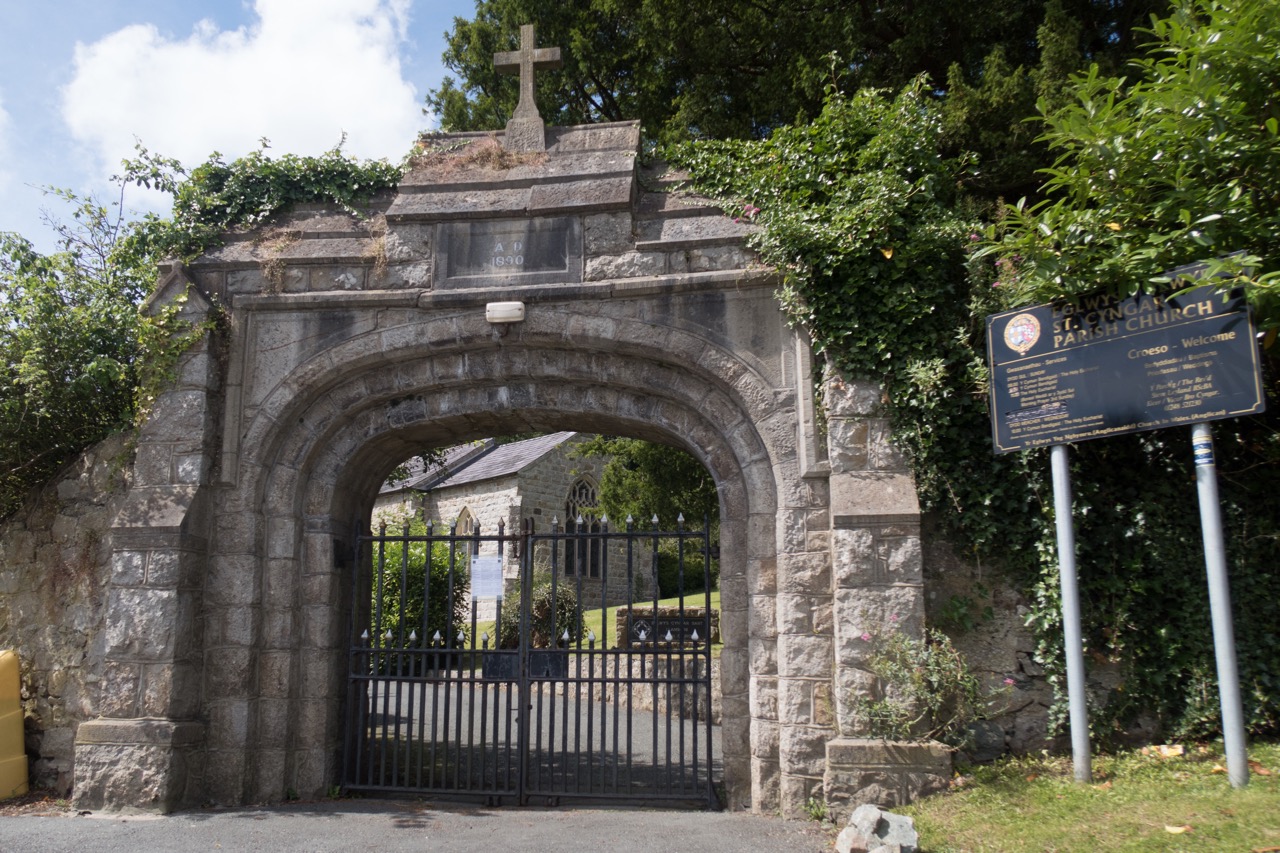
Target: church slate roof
(504, 459)
(476, 462)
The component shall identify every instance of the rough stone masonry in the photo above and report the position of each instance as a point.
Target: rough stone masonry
(211, 667)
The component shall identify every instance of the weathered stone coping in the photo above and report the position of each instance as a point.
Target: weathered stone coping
(854, 522)
(605, 136)
(163, 733)
(408, 298)
(569, 166)
(883, 773)
(540, 198)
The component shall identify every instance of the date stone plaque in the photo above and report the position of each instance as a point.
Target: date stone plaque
(522, 251)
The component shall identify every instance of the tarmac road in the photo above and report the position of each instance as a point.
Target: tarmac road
(386, 826)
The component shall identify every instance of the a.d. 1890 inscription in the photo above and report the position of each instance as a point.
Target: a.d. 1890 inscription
(536, 250)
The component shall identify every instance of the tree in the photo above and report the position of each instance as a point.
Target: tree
(80, 358)
(724, 69)
(69, 345)
(1176, 162)
(643, 479)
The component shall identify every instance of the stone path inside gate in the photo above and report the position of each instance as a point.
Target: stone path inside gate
(582, 744)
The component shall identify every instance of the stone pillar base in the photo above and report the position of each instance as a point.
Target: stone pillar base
(525, 135)
(137, 765)
(882, 773)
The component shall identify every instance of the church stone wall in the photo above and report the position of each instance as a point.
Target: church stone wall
(490, 502)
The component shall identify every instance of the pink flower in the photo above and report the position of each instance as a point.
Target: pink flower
(1009, 681)
(749, 211)
(893, 617)
(866, 638)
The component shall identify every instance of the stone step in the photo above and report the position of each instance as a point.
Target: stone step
(687, 232)
(588, 196)
(671, 205)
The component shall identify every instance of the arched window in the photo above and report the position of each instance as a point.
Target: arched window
(465, 526)
(466, 522)
(582, 556)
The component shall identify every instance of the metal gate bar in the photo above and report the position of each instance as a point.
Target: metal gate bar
(433, 710)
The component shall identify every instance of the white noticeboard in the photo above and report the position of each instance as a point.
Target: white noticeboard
(486, 577)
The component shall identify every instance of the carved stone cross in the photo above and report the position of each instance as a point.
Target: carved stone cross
(525, 130)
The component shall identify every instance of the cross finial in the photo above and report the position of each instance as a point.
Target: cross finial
(526, 131)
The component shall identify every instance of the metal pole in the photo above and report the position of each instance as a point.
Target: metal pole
(1224, 643)
(1073, 639)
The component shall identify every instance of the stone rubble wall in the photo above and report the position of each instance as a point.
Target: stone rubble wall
(489, 503)
(997, 644)
(54, 567)
(686, 701)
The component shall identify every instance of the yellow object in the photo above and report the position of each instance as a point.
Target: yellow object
(13, 753)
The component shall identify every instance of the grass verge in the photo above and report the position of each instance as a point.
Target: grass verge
(1151, 799)
(603, 623)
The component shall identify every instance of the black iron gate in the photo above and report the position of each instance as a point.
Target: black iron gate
(580, 684)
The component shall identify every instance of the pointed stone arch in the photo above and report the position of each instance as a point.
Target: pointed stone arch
(583, 499)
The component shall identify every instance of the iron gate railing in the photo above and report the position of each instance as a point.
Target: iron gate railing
(437, 686)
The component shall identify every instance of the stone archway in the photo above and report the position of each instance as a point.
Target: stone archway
(347, 348)
(327, 473)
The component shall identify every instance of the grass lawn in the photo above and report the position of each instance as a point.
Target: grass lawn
(1138, 801)
(604, 622)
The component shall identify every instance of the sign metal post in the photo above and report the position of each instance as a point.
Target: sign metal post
(1224, 642)
(1072, 635)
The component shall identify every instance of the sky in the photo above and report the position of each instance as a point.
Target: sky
(82, 82)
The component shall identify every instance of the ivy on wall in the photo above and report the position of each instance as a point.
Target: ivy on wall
(82, 361)
(867, 222)
(888, 265)
(218, 197)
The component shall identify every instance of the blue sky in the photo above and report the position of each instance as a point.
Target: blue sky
(82, 80)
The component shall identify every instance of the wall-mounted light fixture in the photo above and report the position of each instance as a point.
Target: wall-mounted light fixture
(504, 312)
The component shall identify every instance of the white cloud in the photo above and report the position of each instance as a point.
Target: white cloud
(301, 75)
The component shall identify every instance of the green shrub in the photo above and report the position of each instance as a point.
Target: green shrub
(670, 582)
(447, 605)
(542, 626)
(925, 690)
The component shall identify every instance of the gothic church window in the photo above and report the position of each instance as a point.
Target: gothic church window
(582, 556)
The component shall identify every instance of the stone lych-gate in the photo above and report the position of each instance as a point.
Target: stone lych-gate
(351, 343)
